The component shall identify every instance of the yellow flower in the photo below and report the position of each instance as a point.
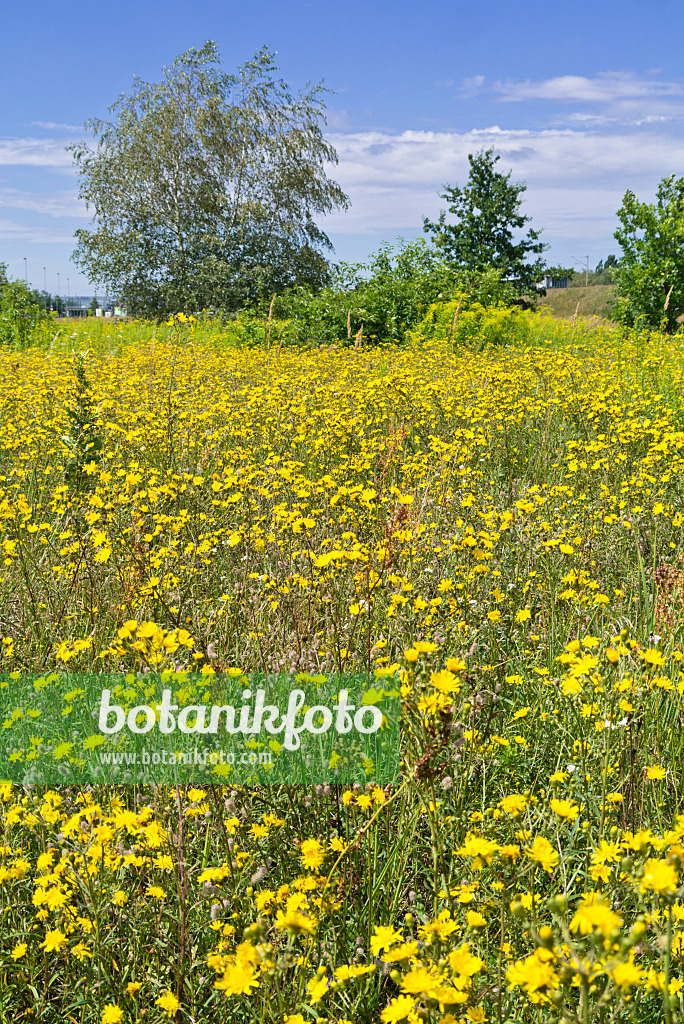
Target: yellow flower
(54, 940)
(656, 773)
(295, 923)
(445, 681)
(564, 809)
(404, 951)
(419, 982)
(514, 803)
(398, 1010)
(659, 876)
(463, 962)
(238, 979)
(532, 974)
(543, 853)
(111, 1014)
(478, 847)
(626, 976)
(317, 987)
(313, 854)
(383, 937)
(594, 916)
(19, 951)
(169, 1003)
(346, 972)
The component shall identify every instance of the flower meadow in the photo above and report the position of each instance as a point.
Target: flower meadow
(498, 528)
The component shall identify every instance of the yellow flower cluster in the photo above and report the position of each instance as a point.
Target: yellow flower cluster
(500, 529)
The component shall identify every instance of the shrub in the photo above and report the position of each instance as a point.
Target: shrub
(401, 283)
(474, 325)
(21, 316)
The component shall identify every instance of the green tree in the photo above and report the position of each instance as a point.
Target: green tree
(559, 272)
(650, 271)
(386, 297)
(204, 187)
(21, 312)
(488, 213)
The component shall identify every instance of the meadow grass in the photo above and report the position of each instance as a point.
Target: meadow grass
(501, 527)
(596, 300)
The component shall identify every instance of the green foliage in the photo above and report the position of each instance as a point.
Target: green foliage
(84, 440)
(650, 273)
(603, 273)
(204, 186)
(488, 212)
(22, 315)
(473, 325)
(383, 300)
(559, 272)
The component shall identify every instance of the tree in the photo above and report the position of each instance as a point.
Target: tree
(650, 271)
(487, 212)
(204, 187)
(21, 312)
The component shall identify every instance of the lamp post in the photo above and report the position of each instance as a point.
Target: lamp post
(25, 273)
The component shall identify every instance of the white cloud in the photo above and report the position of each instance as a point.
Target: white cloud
(608, 98)
(57, 126)
(606, 87)
(35, 153)
(10, 229)
(471, 86)
(55, 204)
(338, 120)
(575, 179)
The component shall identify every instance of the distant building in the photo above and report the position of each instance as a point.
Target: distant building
(80, 305)
(553, 282)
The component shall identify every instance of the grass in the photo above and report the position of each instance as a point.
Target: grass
(499, 526)
(595, 300)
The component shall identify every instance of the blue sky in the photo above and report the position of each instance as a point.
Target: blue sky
(582, 101)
